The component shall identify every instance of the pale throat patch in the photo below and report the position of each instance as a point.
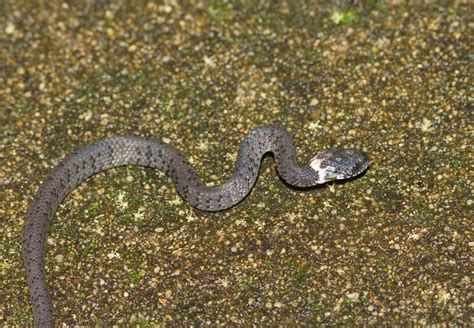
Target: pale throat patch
(316, 164)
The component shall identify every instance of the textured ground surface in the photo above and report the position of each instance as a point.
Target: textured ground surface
(391, 247)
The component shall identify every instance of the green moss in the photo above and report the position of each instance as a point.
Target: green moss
(81, 295)
(135, 276)
(92, 209)
(318, 307)
(300, 275)
(22, 315)
(89, 248)
(142, 323)
(343, 18)
(220, 12)
(377, 5)
(246, 284)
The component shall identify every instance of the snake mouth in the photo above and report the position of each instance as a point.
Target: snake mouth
(362, 165)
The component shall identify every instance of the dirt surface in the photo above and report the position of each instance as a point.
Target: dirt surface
(393, 246)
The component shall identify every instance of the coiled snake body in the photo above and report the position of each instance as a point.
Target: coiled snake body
(102, 155)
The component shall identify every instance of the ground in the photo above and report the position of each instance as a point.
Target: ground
(392, 246)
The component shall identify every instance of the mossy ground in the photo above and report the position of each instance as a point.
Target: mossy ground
(393, 246)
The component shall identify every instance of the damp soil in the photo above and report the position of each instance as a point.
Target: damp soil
(390, 247)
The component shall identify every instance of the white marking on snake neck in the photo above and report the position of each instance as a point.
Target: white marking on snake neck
(315, 164)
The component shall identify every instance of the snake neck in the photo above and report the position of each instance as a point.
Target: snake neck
(258, 142)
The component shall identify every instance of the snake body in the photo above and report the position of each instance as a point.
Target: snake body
(105, 154)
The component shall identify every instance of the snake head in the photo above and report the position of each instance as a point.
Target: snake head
(339, 164)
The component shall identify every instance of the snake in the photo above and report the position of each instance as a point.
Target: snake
(333, 164)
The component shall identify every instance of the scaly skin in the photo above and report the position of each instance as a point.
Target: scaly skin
(105, 154)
